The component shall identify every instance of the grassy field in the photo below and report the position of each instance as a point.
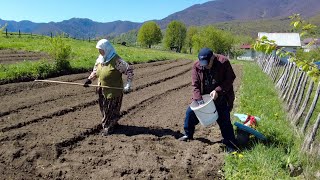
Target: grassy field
(82, 59)
(267, 160)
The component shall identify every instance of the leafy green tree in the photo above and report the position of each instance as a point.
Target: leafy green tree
(149, 34)
(219, 41)
(192, 30)
(175, 36)
(130, 38)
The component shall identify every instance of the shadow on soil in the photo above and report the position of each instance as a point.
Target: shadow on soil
(135, 130)
(207, 141)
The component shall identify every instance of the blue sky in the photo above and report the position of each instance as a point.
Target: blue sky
(97, 10)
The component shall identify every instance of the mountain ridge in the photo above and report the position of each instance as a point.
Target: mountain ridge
(207, 13)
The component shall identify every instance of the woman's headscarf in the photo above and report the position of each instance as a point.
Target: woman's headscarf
(108, 49)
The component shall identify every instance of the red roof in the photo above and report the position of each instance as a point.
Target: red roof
(245, 46)
(308, 40)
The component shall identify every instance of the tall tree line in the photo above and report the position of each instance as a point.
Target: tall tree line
(179, 38)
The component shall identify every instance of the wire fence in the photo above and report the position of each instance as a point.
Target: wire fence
(20, 34)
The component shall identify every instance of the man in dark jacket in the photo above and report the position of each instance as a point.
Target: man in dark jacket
(212, 74)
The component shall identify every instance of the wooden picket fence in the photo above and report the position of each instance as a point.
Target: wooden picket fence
(291, 83)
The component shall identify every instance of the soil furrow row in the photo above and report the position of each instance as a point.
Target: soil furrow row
(25, 110)
(38, 95)
(142, 72)
(68, 143)
(46, 133)
(60, 105)
(145, 142)
(9, 89)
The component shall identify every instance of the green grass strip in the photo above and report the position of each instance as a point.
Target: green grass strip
(267, 160)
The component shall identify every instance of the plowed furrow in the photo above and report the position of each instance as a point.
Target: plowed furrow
(30, 109)
(72, 127)
(65, 105)
(153, 64)
(142, 72)
(68, 143)
(40, 95)
(12, 88)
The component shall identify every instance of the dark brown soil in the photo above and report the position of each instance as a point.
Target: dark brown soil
(52, 131)
(9, 56)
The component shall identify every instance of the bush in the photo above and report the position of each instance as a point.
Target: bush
(43, 69)
(60, 52)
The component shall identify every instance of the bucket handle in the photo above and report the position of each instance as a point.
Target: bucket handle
(208, 113)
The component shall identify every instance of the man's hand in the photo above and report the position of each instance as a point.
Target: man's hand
(87, 82)
(214, 94)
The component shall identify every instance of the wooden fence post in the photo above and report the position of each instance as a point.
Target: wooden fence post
(292, 84)
(279, 82)
(270, 66)
(312, 107)
(51, 34)
(296, 92)
(6, 32)
(311, 137)
(302, 90)
(19, 33)
(276, 70)
(305, 102)
(285, 82)
(294, 96)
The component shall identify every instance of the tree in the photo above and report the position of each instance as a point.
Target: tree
(130, 38)
(149, 34)
(175, 35)
(219, 41)
(192, 30)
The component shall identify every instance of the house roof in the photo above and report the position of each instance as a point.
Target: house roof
(283, 39)
(245, 46)
(308, 40)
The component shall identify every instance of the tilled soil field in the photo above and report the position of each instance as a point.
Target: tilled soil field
(9, 56)
(52, 131)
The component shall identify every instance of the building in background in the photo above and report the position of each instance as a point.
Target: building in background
(249, 53)
(288, 41)
(314, 44)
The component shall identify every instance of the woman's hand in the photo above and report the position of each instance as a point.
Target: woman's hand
(87, 82)
(214, 94)
(127, 88)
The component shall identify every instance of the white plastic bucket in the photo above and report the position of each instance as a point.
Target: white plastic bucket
(206, 113)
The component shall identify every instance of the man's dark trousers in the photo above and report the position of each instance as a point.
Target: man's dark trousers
(223, 121)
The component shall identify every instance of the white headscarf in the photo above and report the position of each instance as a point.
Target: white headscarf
(108, 49)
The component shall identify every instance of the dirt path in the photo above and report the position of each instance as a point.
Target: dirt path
(52, 131)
